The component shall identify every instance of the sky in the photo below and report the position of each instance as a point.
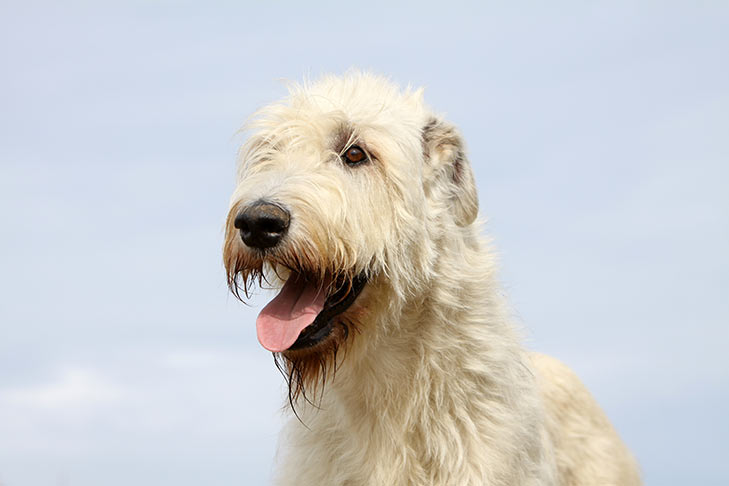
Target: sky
(598, 133)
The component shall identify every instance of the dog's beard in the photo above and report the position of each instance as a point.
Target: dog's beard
(306, 372)
(306, 369)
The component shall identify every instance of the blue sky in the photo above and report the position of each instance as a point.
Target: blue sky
(597, 132)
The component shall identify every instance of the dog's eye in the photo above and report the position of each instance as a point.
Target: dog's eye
(354, 156)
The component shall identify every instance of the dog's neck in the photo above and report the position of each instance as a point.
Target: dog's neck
(453, 339)
(413, 380)
(402, 368)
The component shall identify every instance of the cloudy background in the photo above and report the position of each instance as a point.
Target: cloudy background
(599, 135)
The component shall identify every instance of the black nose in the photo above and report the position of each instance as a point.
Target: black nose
(262, 224)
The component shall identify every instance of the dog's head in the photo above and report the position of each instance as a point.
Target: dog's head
(346, 191)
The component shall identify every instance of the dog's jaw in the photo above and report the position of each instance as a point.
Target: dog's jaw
(335, 305)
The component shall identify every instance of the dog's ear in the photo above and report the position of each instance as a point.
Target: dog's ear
(445, 156)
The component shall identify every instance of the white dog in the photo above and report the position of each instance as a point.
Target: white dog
(403, 366)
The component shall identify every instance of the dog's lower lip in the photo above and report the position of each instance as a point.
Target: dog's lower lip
(335, 304)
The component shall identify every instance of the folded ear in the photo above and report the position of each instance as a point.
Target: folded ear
(446, 158)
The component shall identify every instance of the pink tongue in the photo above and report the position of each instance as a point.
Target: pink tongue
(295, 307)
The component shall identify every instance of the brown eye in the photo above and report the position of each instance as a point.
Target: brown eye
(354, 156)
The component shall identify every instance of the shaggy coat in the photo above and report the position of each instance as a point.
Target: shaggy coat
(423, 379)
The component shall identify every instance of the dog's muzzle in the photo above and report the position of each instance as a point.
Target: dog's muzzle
(262, 224)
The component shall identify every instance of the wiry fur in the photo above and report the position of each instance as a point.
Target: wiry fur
(432, 385)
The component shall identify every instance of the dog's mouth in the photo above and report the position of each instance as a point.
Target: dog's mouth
(304, 312)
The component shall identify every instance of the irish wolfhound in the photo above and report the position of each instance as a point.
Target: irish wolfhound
(358, 202)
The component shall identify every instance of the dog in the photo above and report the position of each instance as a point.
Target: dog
(358, 202)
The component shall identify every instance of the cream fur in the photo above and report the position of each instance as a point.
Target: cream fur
(435, 387)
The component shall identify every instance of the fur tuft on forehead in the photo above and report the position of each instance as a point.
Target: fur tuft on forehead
(360, 104)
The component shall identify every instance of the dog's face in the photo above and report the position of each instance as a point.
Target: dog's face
(346, 186)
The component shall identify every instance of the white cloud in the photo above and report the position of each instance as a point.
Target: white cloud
(76, 388)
